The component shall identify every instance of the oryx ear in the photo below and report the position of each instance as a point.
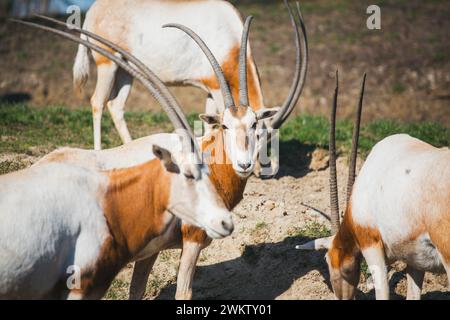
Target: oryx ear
(165, 156)
(317, 244)
(266, 113)
(210, 119)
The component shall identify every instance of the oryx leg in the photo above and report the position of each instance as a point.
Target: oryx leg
(139, 280)
(105, 80)
(414, 281)
(189, 256)
(194, 240)
(116, 105)
(377, 266)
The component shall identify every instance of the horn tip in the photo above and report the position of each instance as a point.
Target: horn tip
(169, 25)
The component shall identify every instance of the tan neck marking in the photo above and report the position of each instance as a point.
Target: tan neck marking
(228, 184)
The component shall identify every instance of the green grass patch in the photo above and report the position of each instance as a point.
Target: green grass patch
(23, 129)
(311, 230)
(118, 290)
(313, 130)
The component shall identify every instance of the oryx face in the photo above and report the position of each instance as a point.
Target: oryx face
(239, 126)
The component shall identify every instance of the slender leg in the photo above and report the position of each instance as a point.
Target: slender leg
(139, 280)
(188, 262)
(116, 106)
(415, 280)
(377, 266)
(105, 81)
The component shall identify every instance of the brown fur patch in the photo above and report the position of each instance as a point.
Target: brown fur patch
(228, 184)
(230, 67)
(239, 112)
(350, 239)
(194, 234)
(134, 203)
(439, 230)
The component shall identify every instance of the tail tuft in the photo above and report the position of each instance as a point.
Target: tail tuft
(81, 67)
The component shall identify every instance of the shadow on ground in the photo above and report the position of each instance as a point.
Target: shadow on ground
(265, 271)
(12, 98)
(295, 159)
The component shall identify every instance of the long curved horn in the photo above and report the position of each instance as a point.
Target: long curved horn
(172, 113)
(334, 200)
(158, 83)
(228, 98)
(355, 141)
(301, 68)
(243, 86)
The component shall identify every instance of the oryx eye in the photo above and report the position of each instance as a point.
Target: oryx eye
(254, 126)
(224, 127)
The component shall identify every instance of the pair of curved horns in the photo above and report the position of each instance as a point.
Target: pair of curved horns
(324, 243)
(301, 68)
(139, 71)
(334, 202)
(299, 78)
(224, 86)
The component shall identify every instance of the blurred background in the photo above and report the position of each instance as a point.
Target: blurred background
(407, 61)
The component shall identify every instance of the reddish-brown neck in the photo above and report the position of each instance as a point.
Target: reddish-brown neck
(228, 184)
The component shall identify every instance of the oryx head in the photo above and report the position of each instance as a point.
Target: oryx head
(240, 124)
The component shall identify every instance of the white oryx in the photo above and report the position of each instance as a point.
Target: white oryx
(398, 209)
(66, 230)
(233, 128)
(136, 27)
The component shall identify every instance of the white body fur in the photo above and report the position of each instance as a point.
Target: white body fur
(401, 165)
(403, 192)
(59, 223)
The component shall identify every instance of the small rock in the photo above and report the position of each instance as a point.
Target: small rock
(270, 205)
(319, 160)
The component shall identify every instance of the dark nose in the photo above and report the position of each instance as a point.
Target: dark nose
(229, 226)
(244, 166)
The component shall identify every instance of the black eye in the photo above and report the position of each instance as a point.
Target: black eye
(254, 126)
(224, 127)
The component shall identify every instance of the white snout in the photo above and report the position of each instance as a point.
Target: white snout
(243, 162)
(220, 226)
(212, 214)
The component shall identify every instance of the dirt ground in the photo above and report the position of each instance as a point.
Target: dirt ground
(259, 260)
(407, 61)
